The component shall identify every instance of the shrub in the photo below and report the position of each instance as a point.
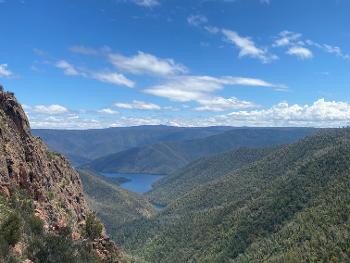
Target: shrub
(11, 229)
(93, 227)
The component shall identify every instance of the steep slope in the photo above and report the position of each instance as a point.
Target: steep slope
(45, 178)
(114, 205)
(81, 146)
(166, 157)
(203, 171)
(291, 206)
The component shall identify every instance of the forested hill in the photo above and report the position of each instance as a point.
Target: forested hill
(291, 206)
(114, 206)
(202, 171)
(166, 157)
(82, 146)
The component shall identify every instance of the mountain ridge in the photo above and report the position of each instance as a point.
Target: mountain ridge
(166, 157)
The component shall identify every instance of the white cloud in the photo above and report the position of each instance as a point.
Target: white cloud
(212, 29)
(329, 49)
(286, 38)
(68, 68)
(138, 105)
(144, 63)
(216, 104)
(197, 88)
(50, 109)
(57, 122)
(112, 78)
(146, 3)
(108, 111)
(103, 76)
(200, 89)
(300, 52)
(247, 47)
(197, 20)
(4, 71)
(321, 113)
(301, 47)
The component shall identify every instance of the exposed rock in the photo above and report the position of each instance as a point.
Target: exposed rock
(47, 177)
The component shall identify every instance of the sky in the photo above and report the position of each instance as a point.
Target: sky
(81, 64)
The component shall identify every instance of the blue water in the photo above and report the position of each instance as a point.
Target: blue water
(139, 183)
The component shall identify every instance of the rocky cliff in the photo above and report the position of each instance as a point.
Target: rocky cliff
(46, 177)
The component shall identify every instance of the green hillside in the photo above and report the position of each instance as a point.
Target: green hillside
(202, 171)
(113, 205)
(291, 206)
(82, 146)
(166, 157)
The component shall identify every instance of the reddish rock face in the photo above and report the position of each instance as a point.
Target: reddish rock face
(25, 162)
(47, 177)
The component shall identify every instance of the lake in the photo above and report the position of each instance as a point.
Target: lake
(139, 183)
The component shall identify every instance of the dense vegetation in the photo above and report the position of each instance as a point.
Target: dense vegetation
(291, 206)
(113, 205)
(202, 171)
(166, 157)
(82, 146)
(20, 228)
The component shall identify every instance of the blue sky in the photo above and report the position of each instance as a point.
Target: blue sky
(90, 64)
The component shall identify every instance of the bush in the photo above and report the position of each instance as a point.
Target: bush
(93, 227)
(35, 224)
(11, 229)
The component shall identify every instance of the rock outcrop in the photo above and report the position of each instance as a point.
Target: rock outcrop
(47, 177)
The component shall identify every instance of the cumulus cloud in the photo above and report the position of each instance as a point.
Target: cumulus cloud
(197, 20)
(321, 113)
(53, 109)
(247, 47)
(5, 72)
(144, 63)
(64, 122)
(300, 52)
(137, 105)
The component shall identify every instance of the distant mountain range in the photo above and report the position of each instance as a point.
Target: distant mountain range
(82, 146)
(166, 157)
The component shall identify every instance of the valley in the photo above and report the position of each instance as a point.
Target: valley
(174, 131)
(235, 194)
(230, 205)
